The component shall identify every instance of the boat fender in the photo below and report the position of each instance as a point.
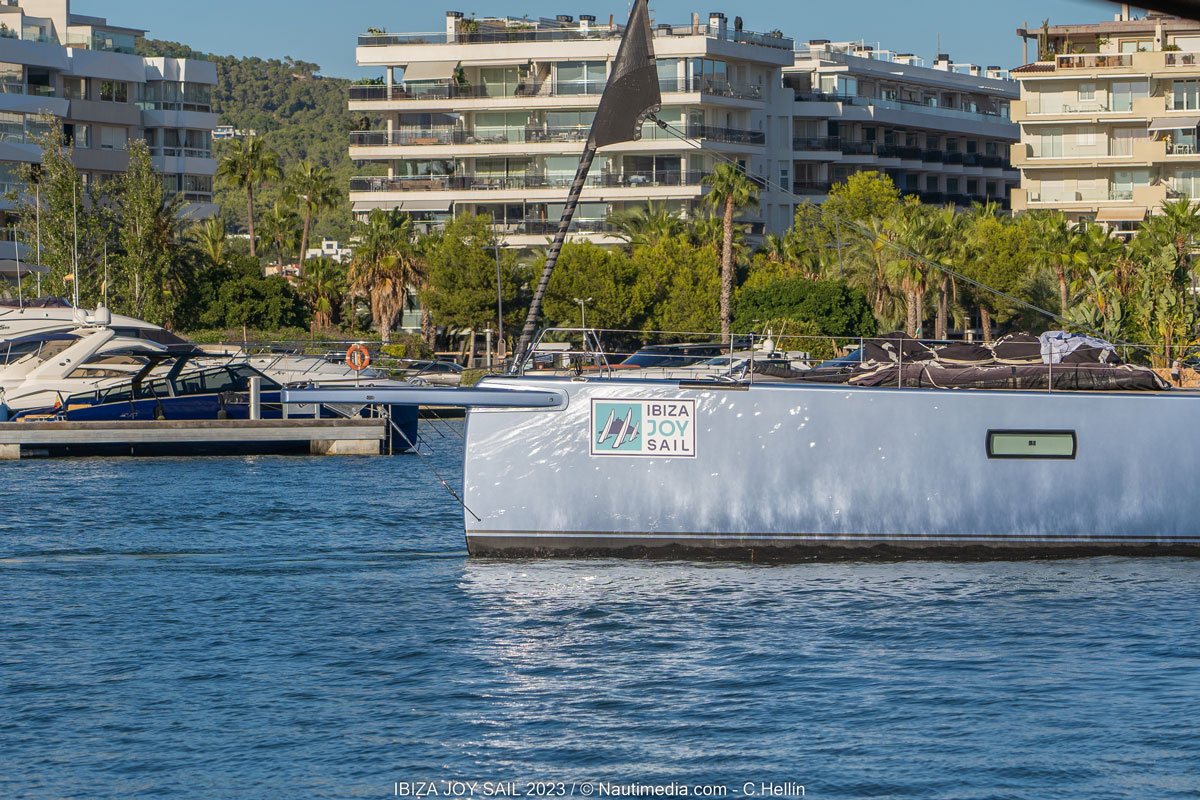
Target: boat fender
(357, 357)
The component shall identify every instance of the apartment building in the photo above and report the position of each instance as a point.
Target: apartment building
(1109, 118)
(82, 71)
(490, 116)
(942, 133)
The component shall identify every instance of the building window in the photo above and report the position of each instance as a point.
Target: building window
(1188, 182)
(12, 78)
(112, 138)
(114, 92)
(1051, 143)
(1136, 45)
(972, 187)
(581, 77)
(931, 183)
(1087, 91)
(75, 88)
(952, 185)
(989, 148)
(1124, 93)
(783, 179)
(77, 135)
(1185, 95)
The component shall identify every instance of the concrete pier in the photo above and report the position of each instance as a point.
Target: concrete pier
(193, 437)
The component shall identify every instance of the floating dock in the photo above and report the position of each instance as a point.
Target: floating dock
(194, 437)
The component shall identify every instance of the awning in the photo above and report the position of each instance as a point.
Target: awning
(1174, 123)
(1129, 214)
(430, 71)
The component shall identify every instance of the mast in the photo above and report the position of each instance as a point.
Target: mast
(630, 95)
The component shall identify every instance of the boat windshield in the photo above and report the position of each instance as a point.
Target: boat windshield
(210, 381)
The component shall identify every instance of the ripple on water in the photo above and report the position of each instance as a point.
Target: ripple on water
(230, 627)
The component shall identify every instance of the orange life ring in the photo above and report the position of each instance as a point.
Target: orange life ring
(357, 358)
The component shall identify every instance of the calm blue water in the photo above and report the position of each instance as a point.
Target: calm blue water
(305, 627)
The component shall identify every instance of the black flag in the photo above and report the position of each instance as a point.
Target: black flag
(632, 89)
(630, 95)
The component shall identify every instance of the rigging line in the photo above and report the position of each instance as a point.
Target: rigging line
(424, 460)
(869, 234)
(438, 420)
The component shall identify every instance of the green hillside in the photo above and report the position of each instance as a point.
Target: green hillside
(298, 112)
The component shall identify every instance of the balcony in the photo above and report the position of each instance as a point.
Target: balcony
(1091, 196)
(450, 90)
(184, 152)
(413, 137)
(858, 148)
(811, 187)
(1175, 59)
(898, 105)
(498, 34)
(457, 183)
(829, 143)
(1094, 61)
(933, 156)
(32, 90)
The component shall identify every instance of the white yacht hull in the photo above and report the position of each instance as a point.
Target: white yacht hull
(791, 471)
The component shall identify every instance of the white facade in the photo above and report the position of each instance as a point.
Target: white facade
(942, 133)
(331, 248)
(490, 117)
(82, 71)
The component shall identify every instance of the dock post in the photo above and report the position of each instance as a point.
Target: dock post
(256, 398)
(10, 452)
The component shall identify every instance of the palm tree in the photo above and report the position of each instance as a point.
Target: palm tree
(246, 166)
(323, 284)
(211, 239)
(386, 264)
(313, 189)
(279, 225)
(730, 191)
(915, 229)
(648, 224)
(1177, 226)
(1060, 249)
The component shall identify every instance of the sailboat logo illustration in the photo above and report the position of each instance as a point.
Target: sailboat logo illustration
(618, 427)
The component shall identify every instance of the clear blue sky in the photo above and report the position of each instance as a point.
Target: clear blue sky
(323, 32)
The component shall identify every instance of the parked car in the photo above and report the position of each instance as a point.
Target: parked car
(434, 373)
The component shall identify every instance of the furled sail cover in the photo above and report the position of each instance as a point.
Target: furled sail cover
(632, 89)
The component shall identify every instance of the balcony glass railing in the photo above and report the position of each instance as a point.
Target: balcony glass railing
(898, 105)
(12, 87)
(1175, 59)
(446, 183)
(903, 152)
(811, 187)
(185, 152)
(829, 143)
(1088, 196)
(415, 137)
(498, 34)
(1034, 106)
(447, 90)
(1093, 61)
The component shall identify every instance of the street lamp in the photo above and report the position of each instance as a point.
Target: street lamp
(583, 311)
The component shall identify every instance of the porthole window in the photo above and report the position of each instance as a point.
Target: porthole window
(1031, 444)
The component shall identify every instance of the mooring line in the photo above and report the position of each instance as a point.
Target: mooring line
(442, 480)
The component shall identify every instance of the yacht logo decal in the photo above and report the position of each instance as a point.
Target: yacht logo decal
(664, 428)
